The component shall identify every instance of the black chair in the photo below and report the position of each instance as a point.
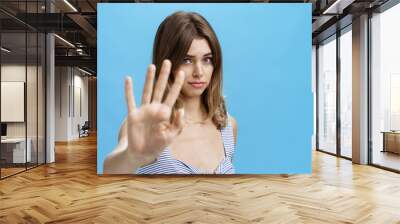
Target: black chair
(84, 130)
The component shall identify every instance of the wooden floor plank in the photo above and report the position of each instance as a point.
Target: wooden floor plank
(70, 191)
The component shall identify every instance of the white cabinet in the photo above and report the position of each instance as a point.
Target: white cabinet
(18, 149)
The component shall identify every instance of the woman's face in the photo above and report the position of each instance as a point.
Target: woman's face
(198, 67)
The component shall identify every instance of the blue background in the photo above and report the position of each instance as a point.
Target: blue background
(267, 76)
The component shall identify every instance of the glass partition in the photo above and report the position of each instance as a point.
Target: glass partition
(385, 89)
(22, 77)
(346, 92)
(13, 108)
(327, 95)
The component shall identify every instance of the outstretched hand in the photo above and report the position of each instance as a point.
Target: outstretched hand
(149, 127)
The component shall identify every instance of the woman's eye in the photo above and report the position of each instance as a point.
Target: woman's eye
(208, 60)
(187, 61)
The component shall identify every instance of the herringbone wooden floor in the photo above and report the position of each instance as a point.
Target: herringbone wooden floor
(70, 191)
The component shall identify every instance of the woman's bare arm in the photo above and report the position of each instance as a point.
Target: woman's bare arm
(118, 161)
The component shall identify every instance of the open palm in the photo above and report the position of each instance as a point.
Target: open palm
(149, 127)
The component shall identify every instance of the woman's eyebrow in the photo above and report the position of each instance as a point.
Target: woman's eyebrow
(192, 56)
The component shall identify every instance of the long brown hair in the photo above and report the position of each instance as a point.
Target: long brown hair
(173, 39)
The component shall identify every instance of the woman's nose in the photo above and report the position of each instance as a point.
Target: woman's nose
(198, 70)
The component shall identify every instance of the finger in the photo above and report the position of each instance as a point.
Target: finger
(175, 89)
(130, 99)
(181, 119)
(148, 85)
(162, 81)
(123, 130)
(178, 121)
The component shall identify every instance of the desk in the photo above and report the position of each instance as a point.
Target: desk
(391, 141)
(16, 147)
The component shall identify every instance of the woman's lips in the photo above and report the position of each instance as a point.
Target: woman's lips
(197, 85)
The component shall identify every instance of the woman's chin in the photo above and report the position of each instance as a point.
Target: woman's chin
(194, 93)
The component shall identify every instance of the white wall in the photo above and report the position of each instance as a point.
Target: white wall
(62, 81)
(80, 100)
(71, 87)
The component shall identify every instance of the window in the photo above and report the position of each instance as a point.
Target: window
(346, 92)
(385, 88)
(327, 95)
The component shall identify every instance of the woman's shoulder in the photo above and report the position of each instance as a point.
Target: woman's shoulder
(231, 120)
(233, 123)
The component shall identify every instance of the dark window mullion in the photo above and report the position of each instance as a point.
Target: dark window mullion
(317, 96)
(338, 91)
(369, 90)
(26, 86)
(37, 90)
(0, 97)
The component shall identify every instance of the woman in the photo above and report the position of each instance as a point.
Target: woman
(182, 126)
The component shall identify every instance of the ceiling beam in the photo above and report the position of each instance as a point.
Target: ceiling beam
(83, 23)
(83, 61)
(337, 6)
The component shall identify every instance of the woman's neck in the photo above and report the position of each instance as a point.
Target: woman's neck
(194, 109)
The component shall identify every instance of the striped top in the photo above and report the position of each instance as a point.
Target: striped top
(166, 164)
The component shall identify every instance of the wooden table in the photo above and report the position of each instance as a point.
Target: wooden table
(391, 141)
